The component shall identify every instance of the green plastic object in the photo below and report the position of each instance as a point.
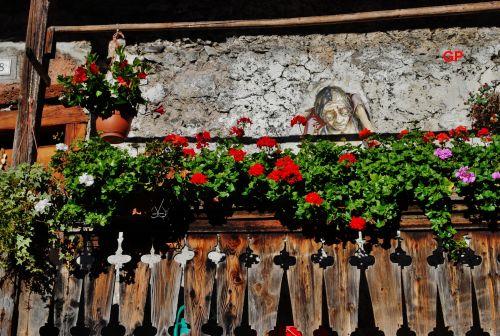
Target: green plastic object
(181, 327)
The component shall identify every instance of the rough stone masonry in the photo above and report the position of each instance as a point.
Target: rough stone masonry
(401, 75)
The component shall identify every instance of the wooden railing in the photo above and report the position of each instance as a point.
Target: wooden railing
(409, 287)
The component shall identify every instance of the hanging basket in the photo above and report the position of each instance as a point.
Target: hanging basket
(114, 129)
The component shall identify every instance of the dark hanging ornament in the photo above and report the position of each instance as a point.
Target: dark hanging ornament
(399, 255)
(437, 257)
(469, 257)
(321, 258)
(361, 259)
(248, 258)
(284, 259)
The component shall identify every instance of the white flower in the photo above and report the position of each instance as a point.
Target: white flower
(62, 147)
(86, 179)
(42, 205)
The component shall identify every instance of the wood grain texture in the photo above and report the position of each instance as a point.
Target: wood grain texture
(32, 88)
(9, 93)
(231, 280)
(305, 282)
(166, 277)
(98, 297)
(74, 131)
(454, 285)
(7, 302)
(52, 115)
(342, 289)
(486, 279)
(291, 22)
(264, 281)
(33, 312)
(384, 283)
(44, 156)
(200, 273)
(67, 296)
(133, 298)
(419, 282)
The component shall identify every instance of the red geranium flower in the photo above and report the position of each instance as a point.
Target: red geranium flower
(298, 120)
(357, 223)
(457, 131)
(237, 131)
(80, 75)
(202, 139)
(121, 81)
(349, 157)
(427, 137)
(256, 169)
(313, 198)
(483, 132)
(94, 68)
(275, 175)
(199, 178)
(244, 120)
(266, 141)
(189, 152)
(373, 143)
(364, 133)
(142, 75)
(176, 140)
(442, 137)
(287, 170)
(402, 133)
(237, 154)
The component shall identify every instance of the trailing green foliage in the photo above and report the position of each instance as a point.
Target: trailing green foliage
(28, 202)
(326, 188)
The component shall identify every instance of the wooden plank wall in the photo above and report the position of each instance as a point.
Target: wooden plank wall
(441, 299)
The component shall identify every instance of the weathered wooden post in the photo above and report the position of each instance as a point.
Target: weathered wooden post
(33, 80)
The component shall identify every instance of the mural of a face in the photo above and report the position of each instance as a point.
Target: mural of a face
(333, 106)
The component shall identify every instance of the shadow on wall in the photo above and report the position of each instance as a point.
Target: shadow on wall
(13, 16)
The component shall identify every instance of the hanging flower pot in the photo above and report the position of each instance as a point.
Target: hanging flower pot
(114, 129)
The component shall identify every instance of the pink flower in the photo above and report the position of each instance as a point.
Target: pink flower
(443, 153)
(464, 175)
(495, 175)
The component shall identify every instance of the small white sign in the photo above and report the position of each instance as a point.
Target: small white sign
(5, 66)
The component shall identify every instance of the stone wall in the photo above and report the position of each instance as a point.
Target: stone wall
(401, 75)
(207, 85)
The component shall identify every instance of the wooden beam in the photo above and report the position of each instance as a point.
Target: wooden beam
(52, 115)
(32, 88)
(9, 93)
(421, 12)
(37, 66)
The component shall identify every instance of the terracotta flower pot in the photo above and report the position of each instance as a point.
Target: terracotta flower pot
(115, 128)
